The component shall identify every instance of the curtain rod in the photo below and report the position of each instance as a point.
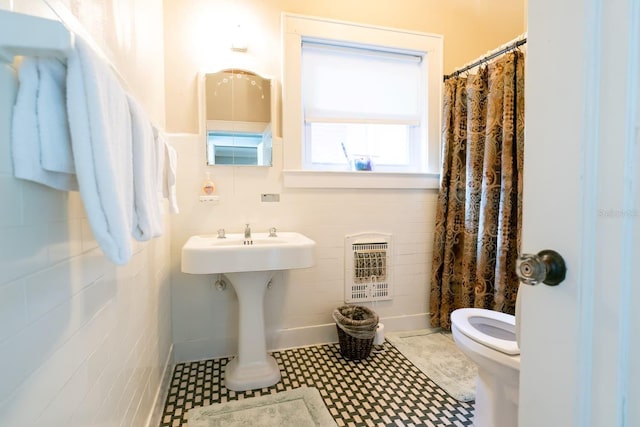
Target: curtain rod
(485, 59)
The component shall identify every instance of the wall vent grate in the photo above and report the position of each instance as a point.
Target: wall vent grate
(368, 267)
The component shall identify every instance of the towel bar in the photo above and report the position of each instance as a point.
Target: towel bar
(28, 35)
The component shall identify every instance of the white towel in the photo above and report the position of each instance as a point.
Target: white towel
(55, 142)
(26, 135)
(100, 125)
(170, 174)
(160, 151)
(147, 216)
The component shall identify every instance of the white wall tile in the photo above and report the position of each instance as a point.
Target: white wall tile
(13, 308)
(38, 389)
(65, 240)
(14, 371)
(100, 356)
(39, 199)
(88, 240)
(47, 289)
(22, 251)
(69, 397)
(86, 410)
(10, 212)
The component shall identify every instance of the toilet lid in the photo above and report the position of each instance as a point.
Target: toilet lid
(491, 328)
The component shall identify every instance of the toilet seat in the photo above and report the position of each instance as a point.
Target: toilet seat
(490, 328)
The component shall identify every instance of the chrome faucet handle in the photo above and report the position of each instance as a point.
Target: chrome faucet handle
(221, 234)
(272, 232)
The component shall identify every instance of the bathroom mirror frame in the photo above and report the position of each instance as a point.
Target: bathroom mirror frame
(236, 130)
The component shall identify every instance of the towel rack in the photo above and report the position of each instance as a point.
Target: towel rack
(28, 35)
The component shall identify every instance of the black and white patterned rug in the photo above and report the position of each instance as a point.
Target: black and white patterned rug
(384, 390)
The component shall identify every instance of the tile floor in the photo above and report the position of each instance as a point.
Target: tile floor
(383, 390)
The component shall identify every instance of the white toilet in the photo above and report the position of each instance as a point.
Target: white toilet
(489, 339)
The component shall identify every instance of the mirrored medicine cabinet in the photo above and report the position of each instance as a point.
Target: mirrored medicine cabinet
(238, 118)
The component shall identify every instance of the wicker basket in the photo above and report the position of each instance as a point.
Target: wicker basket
(356, 327)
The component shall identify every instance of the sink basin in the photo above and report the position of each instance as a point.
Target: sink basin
(249, 266)
(207, 254)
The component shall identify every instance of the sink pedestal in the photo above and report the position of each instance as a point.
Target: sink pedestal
(253, 368)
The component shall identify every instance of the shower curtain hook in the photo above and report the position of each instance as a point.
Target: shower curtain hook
(516, 45)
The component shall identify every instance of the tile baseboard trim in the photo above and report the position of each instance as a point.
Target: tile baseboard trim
(157, 408)
(283, 339)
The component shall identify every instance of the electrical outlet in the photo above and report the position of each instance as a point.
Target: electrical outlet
(270, 197)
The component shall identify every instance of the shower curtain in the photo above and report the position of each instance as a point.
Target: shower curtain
(479, 211)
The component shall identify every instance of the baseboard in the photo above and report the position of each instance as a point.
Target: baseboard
(281, 339)
(326, 333)
(406, 323)
(157, 408)
(211, 348)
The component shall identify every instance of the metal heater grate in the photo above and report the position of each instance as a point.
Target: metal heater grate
(368, 267)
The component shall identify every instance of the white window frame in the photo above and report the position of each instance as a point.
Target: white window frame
(295, 28)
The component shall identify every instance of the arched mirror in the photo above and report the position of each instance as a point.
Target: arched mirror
(238, 118)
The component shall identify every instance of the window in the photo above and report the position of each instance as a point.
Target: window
(359, 102)
(356, 96)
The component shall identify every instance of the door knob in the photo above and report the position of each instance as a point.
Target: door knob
(547, 267)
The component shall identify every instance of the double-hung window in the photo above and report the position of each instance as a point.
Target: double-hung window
(361, 103)
(359, 98)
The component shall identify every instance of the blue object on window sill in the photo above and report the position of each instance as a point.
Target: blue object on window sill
(362, 164)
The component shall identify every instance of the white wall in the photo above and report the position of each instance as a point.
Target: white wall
(298, 307)
(198, 35)
(82, 342)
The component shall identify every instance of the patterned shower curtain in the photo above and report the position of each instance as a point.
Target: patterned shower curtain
(479, 213)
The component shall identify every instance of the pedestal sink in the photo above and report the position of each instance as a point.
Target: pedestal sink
(249, 264)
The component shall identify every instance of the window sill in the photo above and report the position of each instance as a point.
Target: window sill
(347, 179)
